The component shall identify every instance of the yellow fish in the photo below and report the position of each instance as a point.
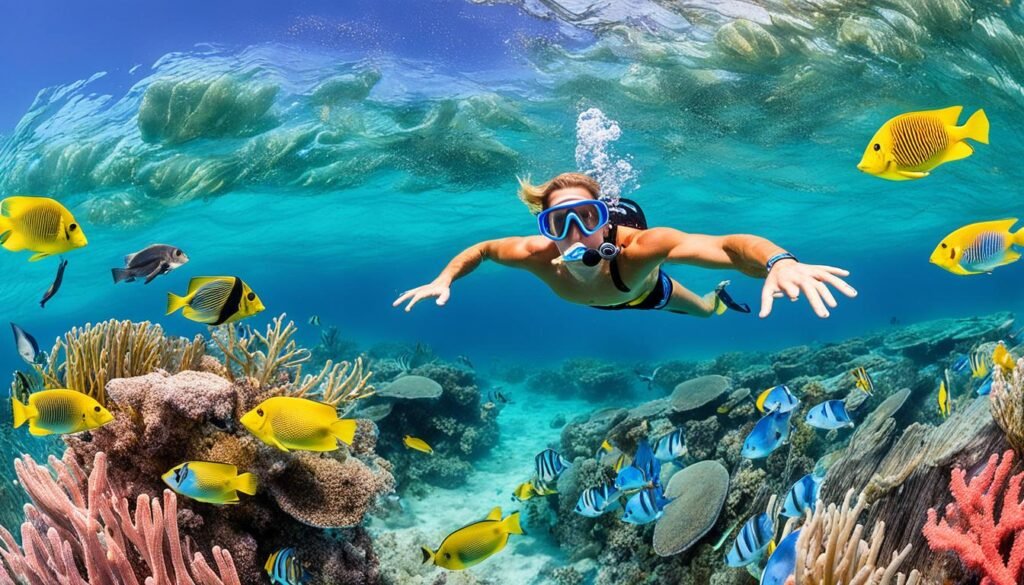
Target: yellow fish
(910, 145)
(417, 444)
(863, 379)
(474, 543)
(944, 398)
(979, 247)
(298, 424)
(1002, 359)
(542, 488)
(60, 412)
(524, 491)
(215, 300)
(213, 483)
(40, 225)
(621, 462)
(979, 364)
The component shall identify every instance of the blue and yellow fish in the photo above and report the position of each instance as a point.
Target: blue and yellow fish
(979, 363)
(753, 540)
(770, 433)
(550, 465)
(595, 501)
(59, 412)
(284, 568)
(782, 562)
(210, 482)
(778, 398)
(802, 496)
(645, 506)
(829, 415)
(986, 386)
(631, 478)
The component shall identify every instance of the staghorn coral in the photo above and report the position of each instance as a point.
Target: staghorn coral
(1007, 404)
(262, 356)
(78, 524)
(830, 549)
(88, 357)
(988, 541)
(336, 384)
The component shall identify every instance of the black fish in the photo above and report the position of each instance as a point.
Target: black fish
(56, 284)
(150, 263)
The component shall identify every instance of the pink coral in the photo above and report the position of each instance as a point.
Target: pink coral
(972, 529)
(78, 523)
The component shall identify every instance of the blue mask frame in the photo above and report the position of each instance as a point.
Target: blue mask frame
(571, 216)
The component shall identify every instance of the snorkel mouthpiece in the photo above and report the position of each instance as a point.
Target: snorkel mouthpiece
(576, 253)
(591, 257)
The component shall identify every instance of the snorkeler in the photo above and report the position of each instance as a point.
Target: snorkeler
(603, 256)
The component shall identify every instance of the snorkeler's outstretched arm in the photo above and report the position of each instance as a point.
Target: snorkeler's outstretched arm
(749, 254)
(517, 252)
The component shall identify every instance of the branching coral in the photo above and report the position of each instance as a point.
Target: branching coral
(987, 542)
(88, 357)
(830, 549)
(260, 356)
(337, 384)
(80, 523)
(1007, 404)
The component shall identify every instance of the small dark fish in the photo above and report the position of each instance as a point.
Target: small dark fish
(50, 292)
(23, 386)
(27, 346)
(496, 396)
(150, 263)
(465, 360)
(649, 379)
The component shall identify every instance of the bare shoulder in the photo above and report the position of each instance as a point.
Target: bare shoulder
(650, 241)
(524, 249)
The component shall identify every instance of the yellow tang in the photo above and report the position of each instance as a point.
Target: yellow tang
(944, 398)
(524, 491)
(40, 225)
(213, 483)
(910, 145)
(1002, 358)
(299, 424)
(417, 444)
(59, 412)
(474, 543)
(979, 247)
(215, 300)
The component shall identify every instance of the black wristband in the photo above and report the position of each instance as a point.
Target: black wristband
(775, 259)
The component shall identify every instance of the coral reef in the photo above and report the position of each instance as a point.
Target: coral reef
(699, 392)
(88, 357)
(984, 525)
(698, 494)
(1007, 404)
(82, 525)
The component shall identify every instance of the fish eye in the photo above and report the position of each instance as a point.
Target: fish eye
(447, 556)
(73, 227)
(259, 412)
(944, 245)
(97, 408)
(251, 296)
(177, 252)
(877, 147)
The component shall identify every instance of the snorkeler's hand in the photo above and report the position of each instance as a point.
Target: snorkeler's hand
(436, 289)
(789, 278)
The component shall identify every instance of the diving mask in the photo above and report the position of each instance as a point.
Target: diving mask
(589, 215)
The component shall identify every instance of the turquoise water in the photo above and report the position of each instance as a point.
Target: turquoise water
(334, 157)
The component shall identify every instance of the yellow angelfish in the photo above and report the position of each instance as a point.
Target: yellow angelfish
(40, 225)
(299, 424)
(979, 247)
(944, 398)
(215, 300)
(417, 444)
(979, 364)
(524, 491)
(213, 483)
(60, 412)
(474, 543)
(910, 145)
(1003, 359)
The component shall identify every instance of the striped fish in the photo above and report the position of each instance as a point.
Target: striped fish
(631, 478)
(752, 541)
(670, 447)
(284, 568)
(770, 433)
(863, 380)
(596, 501)
(944, 398)
(979, 364)
(829, 415)
(979, 247)
(778, 398)
(645, 461)
(314, 320)
(550, 465)
(645, 506)
(802, 496)
(542, 488)
(782, 562)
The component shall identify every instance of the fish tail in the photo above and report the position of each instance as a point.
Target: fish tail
(22, 412)
(428, 555)
(976, 127)
(119, 274)
(174, 302)
(1018, 237)
(511, 524)
(246, 483)
(344, 430)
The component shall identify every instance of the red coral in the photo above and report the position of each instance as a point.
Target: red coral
(971, 528)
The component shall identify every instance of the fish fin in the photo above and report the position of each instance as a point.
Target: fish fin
(1018, 237)
(128, 259)
(15, 206)
(120, 274)
(37, 431)
(199, 282)
(280, 445)
(912, 174)
(761, 398)
(161, 267)
(22, 412)
(947, 116)
(174, 302)
(1010, 257)
(957, 151)
(976, 127)
(511, 524)
(494, 514)
(344, 429)
(428, 555)
(38, 257)
(270, 561)
(245, 483)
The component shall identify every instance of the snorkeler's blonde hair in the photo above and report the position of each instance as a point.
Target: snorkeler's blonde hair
(535, 196)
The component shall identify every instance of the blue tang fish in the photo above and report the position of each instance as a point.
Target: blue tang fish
(751, 542)
(671, 446)
(777, 398)
(771, 432)
(802, 496)
(630, 478)
(596, 501)
(829, 415)
(986, 386)
(782, 563)
(645, 506)
(550, 465)
(645, 461)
